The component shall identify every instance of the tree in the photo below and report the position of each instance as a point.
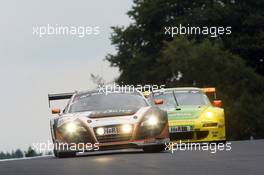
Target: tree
(2, 155)
(144, 38)
(18, 154)
(146, 56)
(98, 80)
(31, 152)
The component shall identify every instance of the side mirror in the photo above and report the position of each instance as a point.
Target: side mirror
(217, 103)
(158, 101)
(55, 110)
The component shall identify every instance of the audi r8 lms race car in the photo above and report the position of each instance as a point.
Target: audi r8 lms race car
(113, 121)
(192, 117)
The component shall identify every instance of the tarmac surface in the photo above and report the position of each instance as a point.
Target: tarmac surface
(245, 158)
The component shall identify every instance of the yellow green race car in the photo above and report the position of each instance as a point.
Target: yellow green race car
(192, 117)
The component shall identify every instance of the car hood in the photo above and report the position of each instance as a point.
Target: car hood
(185, 112)
(102, 114)
(101, 118)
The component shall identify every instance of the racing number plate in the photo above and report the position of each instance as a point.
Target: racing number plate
(175, 129)
(112, 131)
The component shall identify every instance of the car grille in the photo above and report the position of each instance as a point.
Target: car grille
(189, 135)
(113, 138)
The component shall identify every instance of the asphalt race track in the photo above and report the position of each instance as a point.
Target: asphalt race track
(245, 158)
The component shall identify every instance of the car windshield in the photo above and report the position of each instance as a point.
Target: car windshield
(111, 101)
(183, 98)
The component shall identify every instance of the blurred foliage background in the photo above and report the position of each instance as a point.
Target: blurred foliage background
(232, 63)
(30, 152)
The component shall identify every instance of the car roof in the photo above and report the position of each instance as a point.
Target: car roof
(98, 90)
(179, 89)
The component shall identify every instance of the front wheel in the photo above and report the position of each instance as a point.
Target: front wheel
(154, 148)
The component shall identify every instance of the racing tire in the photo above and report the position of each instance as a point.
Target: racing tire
(64, 154)
(154, 149)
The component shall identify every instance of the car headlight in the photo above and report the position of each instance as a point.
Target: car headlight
(100, 131)
(209, 114)
(151, 121)
(126, 128)
(71, 127)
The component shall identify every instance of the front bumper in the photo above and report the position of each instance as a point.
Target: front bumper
(200, 134)
(136, 139)
(137, 144)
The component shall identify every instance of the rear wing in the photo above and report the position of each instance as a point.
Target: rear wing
(210, 90)
(62, 96)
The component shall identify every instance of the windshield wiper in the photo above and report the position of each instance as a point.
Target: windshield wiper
(175, 98)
